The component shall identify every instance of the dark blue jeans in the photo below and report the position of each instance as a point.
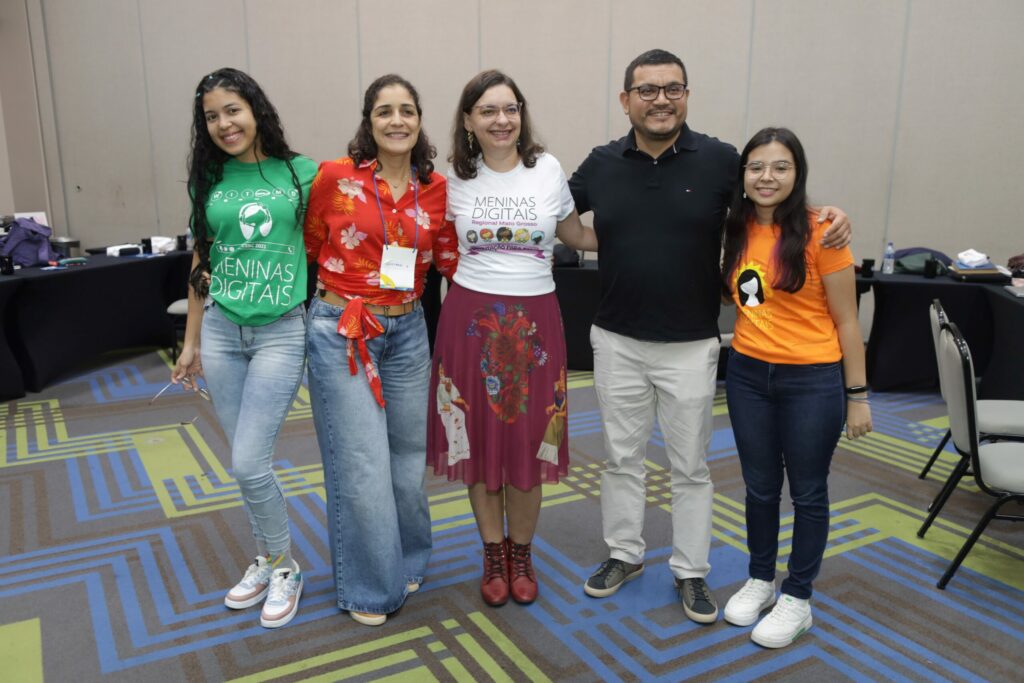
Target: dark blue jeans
(787, 420)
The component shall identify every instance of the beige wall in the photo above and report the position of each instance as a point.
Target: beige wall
(907, 107)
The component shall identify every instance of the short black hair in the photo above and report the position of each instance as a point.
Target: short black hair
(651, 58)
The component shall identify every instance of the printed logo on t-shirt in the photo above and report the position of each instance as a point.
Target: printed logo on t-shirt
(255, 217)
(505, 223)
(752, 290)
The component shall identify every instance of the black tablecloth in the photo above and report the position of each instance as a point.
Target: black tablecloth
(1004, 378)
(901, 353)
(54, 320)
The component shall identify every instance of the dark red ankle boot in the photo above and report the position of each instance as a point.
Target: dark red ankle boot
(523, 582)
(494, 584)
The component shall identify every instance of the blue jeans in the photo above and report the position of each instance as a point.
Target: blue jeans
(252, 374)
(374, 458)
(786, 420)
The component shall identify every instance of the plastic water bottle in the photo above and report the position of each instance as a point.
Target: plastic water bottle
(889, 259)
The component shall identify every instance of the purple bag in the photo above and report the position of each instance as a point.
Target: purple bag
(28, 243)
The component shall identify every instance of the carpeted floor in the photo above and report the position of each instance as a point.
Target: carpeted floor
(121, 528)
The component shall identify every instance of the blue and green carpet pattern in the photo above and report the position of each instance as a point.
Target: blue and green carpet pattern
(121, 529)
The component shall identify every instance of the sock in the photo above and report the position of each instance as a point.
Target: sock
(283, 560)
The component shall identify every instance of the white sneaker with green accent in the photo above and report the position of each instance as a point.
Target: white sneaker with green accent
(788, 620)
(283, 597)
(253, 586)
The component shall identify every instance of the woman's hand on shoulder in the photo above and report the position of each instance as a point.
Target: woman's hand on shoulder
(858, 419)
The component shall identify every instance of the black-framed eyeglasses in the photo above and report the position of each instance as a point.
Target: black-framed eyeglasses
(649, 93)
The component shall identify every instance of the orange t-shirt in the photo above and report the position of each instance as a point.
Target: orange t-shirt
(782, 327)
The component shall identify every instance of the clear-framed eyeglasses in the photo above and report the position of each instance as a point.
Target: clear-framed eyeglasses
(489, 112)
(779, 169)
(649, 93)
(187, 384)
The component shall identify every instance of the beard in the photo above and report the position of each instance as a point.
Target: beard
(659, 133)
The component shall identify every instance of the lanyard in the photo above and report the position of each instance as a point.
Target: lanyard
(416, 200)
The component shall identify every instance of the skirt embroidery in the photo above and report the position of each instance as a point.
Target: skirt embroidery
(555, 432)
(511, 349)
(450, 407)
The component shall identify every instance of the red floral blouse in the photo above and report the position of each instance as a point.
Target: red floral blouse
(344, 234)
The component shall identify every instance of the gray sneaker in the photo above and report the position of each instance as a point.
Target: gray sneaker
(698, 601)
(609, 576)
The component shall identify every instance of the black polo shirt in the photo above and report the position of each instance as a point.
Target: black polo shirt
(659, 227)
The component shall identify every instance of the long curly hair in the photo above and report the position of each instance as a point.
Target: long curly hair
(206, 160)
(364, 148)
(464, 153)
(791, 216)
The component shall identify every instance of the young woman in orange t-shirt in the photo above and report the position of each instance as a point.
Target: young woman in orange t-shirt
(797, 340)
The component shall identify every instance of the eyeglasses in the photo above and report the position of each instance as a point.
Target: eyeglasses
(186, 384)
(780, 169)
(649, 93)
(490, 112)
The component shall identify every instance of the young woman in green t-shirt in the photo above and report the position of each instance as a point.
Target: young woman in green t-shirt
(249, 192)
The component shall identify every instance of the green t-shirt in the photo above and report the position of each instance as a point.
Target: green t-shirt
(257, 259)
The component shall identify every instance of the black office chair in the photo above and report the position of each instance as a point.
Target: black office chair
(1003, 420)
(998, 468)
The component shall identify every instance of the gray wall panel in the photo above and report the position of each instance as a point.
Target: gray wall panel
(101, 112)
(182, 41)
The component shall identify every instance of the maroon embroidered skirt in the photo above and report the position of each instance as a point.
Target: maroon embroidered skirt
(498, 404)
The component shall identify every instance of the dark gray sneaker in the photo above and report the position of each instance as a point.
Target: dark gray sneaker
(698, 601)
(609, 576)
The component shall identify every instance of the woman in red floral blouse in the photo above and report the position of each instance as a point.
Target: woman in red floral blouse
(375, 223)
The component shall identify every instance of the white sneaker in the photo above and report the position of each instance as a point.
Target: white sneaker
(788, 620)
(746, 605)
(253, 586)
(283, 597)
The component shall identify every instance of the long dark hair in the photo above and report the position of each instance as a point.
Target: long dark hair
(463, 154)
(206, 160)
(364, 148)
(790, 216)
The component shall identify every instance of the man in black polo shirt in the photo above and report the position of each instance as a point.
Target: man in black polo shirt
(659, 197)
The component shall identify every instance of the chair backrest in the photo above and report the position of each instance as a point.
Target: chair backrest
(956, 367)
(938, 318)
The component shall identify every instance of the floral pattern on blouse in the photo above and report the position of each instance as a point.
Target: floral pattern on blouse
(343, 230)
(510, 351)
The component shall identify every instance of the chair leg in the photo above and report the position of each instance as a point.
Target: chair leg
(947, 490)
(971, 540)
(935, 455)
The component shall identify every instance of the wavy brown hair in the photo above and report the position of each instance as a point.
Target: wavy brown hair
(463, 155)
(364, 148)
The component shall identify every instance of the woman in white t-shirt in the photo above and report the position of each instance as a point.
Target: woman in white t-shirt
(500, 339)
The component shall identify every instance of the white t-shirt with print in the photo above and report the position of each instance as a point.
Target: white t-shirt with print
(506, 226)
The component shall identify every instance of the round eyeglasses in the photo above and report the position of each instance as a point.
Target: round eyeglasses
(779, 169)
(489, 112)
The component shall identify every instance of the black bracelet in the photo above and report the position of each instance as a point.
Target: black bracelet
(859, 389)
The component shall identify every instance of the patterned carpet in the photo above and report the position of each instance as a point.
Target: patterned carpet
(121, 528)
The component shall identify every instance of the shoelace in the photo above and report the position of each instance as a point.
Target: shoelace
(607, 567)
(251, 574)
(750, 590)
(521, 565)
(782, 610)
(699, 590)
(280, 587)
(494, 559)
